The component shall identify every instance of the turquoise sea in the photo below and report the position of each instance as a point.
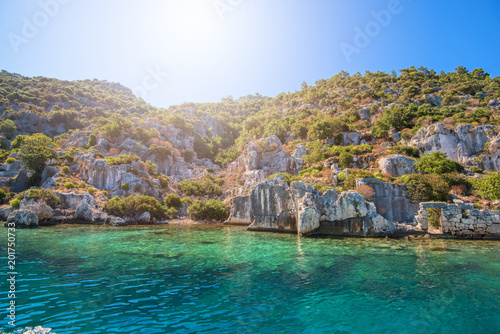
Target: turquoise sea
(224, 279)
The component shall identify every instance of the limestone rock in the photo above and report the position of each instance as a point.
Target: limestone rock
(462, 144)
(267, 156)
(390, 200)
(23, 218)
(272, 207)
(40, 209)
(241, 211)
(78, 139)
(5, 211)
(397, 165)
(350, 204)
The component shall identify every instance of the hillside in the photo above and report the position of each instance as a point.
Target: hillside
(94, 142)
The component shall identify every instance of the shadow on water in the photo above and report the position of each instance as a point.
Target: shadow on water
(443, 249)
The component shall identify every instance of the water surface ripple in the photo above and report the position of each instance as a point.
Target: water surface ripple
(219, 279)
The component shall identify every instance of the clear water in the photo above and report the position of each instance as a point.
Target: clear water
(219, 279)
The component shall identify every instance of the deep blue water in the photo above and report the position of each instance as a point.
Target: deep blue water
(219, 279)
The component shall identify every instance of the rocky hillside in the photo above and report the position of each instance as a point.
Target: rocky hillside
(91, 151)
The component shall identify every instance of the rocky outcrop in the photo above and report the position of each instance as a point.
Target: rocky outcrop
(240, 213)
(471, 146)
(78, 139)
(110, 177)
(40, 209)
(458, 219)
(86, 212)
(262, 158)
(5, 211)
(390, 200)
(397, 165)
(22, 218)
(299, 208)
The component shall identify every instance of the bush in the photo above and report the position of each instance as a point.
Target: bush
(8, 127)
(171, 213)
(18, 141)
(321, 187)
(188, 155)
(366, 191)
(69, 185)
(160, 151)
(122, 159)
(211, 209)
(287, 177)
(345, 159)
(91, 191)
(210, 186)
(489, 186)
(434, 217)
(125, 186)
(35, 151)
(405, 150)
(9, 161)
(3, 194)
(92, 140)
(135, 205)
(426, 187)
(436, 163)
(187, 200)
(46, 195)
(66, 170)
(341, 177)
(14, 203)
(163, 181)
(172, 201)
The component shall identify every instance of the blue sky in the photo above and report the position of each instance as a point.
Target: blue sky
(171, 52)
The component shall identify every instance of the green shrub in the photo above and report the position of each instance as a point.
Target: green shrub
(122, 159)
(69, 185)
(287, 177)
(35, 151)
(163, 181)
(135, 205)
(14, 203)
(476, 170)
(211, 209)
(405, 150)
(321, 187)
(8, 127)
(171, 213)
(187, 200)
(489, 186)
(18, 141)
(310, 170)
(426, 187)
(9, 161)
(341, 177)
(3, 194)
(436, 163)
(46, 195)
(210, 186)
(160, 151)
(345, 159)
(91, 191)
(66, 170)
(434, 217)
(188, 155)
(92, 140)
(125, 186)
(172, 201)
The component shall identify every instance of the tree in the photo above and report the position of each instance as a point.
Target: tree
(304, 85)
(35, 151)
(345, 159)
(437, 163)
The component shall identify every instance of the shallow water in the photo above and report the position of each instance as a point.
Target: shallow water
(220, 279)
